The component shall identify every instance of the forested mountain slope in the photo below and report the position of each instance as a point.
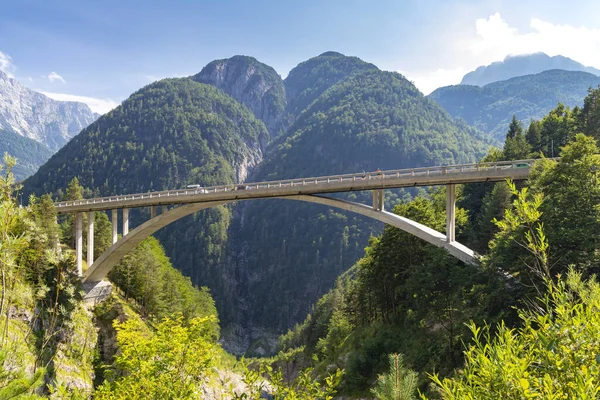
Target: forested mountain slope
(30, 154)
(406, 296)
(309, 79)
(491, 107)
(166, 135)
(294, 251)
(265, 262)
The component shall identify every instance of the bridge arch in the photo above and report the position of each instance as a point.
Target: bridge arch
(111, 257)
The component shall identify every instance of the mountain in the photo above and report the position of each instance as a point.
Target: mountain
(164, 136)
(266, 262)
(520, 65)
(293, 252)
(35, 116)
(29, 153)
(307, 81)
(252, 83)
(490, 108)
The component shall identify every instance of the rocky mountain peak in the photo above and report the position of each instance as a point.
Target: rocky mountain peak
(250, 82)
(36, 116)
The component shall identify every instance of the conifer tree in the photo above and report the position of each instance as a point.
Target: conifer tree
(399, 384)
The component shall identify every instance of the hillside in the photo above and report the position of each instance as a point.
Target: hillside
(309, 79)
(490, 108)
(166, 135)
(29, 153)
(37, 117)
(265, 263)
(292, 252)
(527, 64)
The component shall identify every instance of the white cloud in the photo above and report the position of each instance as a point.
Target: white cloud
(429, 81)
(6, 64)
(494, 38)
(152, 78)
(54, 77)
(100, 106)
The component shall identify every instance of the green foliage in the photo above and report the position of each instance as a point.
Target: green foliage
(170, 363)
(147, 276)
(304, 387)
(15, 383)
(311, 78)
(403, 296)
(521, 233)
(553, 355)
(490, 108)
(399, 384)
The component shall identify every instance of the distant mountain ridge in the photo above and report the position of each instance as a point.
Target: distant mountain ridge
(491, 107)
(520, 65)
(36, 116)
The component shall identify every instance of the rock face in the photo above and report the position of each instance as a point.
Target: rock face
(37, 117)
(514, 66)
(252, 83)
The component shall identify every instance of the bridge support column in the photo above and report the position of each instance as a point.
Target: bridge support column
(115, 225)
(79, 242)
(450, 212)
(152, 211)
(90, 238)
(125, 221)
(378, 197)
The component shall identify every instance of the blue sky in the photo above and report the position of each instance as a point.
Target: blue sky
(102, 51)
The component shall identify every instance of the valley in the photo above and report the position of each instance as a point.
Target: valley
(327, 233)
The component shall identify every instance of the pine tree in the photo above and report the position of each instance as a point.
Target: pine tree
(515, 128)
(534, 136)
(399, 384)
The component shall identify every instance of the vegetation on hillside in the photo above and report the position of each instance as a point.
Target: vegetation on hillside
(490, 108)
(29, 153)
(367, 121)
(406, 296)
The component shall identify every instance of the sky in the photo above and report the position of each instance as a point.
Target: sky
(99, 52)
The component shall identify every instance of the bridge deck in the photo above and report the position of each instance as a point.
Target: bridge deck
(428, 176)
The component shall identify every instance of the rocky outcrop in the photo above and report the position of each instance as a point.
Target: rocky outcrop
(252, 83)
(37, 117)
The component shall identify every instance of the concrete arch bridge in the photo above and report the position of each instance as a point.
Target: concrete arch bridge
(313, 190)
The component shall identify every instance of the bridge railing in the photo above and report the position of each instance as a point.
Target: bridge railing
(320, 180)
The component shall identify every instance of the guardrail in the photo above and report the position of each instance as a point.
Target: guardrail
(322, 180)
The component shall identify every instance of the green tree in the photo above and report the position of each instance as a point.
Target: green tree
(305, 387)
(399, 384)
(516, 146)
(534, 136)
(170, 363)
(553, 355)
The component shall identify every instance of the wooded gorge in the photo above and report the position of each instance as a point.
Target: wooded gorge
(341, 306)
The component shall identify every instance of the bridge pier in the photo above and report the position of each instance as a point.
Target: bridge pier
(79, 243)
(125, 221)
(115, 225)
(378, 198)
(152, 211)
(450, 212)
(90, 238)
